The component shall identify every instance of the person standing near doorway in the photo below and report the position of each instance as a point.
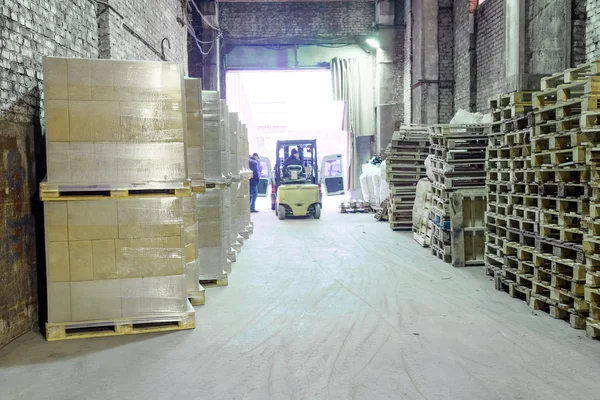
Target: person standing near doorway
(254, 167)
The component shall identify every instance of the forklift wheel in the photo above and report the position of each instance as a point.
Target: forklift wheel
(281, 213)
(317, 214)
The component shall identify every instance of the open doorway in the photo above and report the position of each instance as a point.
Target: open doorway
(292, 105)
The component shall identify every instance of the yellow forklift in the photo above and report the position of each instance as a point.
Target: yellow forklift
(296, 190)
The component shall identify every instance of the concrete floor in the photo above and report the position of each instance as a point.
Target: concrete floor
(337, 308)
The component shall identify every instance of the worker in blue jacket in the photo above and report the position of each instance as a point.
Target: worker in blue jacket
(254, 167)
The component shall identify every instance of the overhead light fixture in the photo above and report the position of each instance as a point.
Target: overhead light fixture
(373, 41)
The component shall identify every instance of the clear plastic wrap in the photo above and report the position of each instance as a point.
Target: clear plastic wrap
(429, 168)
(111, 259)
(211, 111)
(115, 165)
(246, 204)
(192, 243)
(114, 122)
(242, 197)
(228, 244)
(225, 140)
(384, 190)
(234, 159)
(234, 236)
(211, 232)
(194, 132)
(420, 209)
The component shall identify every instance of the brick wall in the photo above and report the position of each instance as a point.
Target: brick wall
(490, 51)
(446, 54)
(29, 31)
(297, 19)
(593, 30)
(130, 30)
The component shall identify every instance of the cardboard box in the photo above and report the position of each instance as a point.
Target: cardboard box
(94, 121)
(193, 95)
(150, 217)
(212, 135)
(192, 275)
(137, 258)
(59, 302)
(56, 86)
(148, 81)
(56, 221)
(152, 162)
(57, 120)
(195, 133)
(152, 122)
(104, 256)
(154, 297)
(195, 156)
(95, 300)
(92, 220)
(103, 82)
(81, 261)
(209, 233)
(79, 74)
(211, 262)
(58, 264)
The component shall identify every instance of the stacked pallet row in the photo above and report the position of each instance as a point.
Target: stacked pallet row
(559, 146)
(512, 206)
(458, 200)
(113, 198)
(404, 168)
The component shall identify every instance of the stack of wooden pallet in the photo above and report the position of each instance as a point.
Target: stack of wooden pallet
(405, 167)
(543, 227)
(559, 158)
(458, 201)
(511, 218)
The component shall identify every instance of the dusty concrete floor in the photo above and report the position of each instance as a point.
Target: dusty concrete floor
(337, 308)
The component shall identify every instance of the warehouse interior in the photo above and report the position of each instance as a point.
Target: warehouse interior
(366, 301)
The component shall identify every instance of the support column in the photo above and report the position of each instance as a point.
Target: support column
(514, 44)
(210, 64)
(425, 88)
(384, 73)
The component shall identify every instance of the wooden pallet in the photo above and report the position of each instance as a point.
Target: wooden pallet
(467, 216)
(197, 298)
(221, 281)
(558, 311)
(563, 175)
(440, 251)
(513, 288)
(93, 329)
(50, 192)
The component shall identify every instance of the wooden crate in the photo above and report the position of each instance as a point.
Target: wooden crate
(467, 221)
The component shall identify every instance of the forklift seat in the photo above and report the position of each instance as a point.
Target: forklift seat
(294, 174)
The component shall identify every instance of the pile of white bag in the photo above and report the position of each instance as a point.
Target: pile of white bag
(370, 182)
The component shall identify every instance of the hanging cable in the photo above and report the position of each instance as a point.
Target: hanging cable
(206, 20)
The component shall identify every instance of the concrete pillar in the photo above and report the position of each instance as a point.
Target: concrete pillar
(537, 41)
(425, 89)
(210, 65)
(384, 73)
(514, 43)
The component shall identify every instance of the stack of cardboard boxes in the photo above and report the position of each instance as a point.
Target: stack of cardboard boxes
(115, 254)
(214, 244)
